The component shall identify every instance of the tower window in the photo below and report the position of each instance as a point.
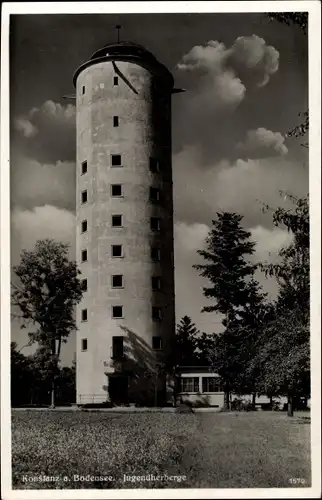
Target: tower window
(117, 312)
(84, 167)
(117, 348)
(84, 344)
(156, 283)
(156, 343)
(116, 220)
(84, 255)
(116, 80)
(117, 281)
(84, 226)
(84, 196)
(115, 121)
(154, 194)
(155, 224)
(156, 313)
(116, 161)
(117, 251)
(154, 165)
(84, 314)
(84, 285)
(156, 254)
(83, 89)
(116, 190)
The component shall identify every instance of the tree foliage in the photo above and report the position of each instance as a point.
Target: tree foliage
(45, 292)
(284, 349)
(235, 294)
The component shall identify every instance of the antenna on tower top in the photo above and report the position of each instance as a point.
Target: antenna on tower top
(118, 27)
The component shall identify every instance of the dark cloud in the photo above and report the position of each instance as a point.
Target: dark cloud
(48, 133)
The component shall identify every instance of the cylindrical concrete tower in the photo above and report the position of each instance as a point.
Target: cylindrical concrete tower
(124, 213)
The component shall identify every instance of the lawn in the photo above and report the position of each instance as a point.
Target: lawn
(212, 450)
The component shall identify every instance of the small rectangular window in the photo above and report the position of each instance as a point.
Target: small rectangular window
(155, 224)
(84, 344)
(84, 314)
(116, 190)
(84, 285)
(211, 384)
(154, 165)
(116, 80)
(156, 313)
(84, 196)
(84, 255)
(117, 281)
(83, 89)
(116, 220)
(84, 167)
(154, 194)
(189, 384)
(117, 251)
(156, 254)
(115, 121)
(84, 226)
(156, 283)
(117, 347)
(117, 312)
(156, 343)
(116, 160)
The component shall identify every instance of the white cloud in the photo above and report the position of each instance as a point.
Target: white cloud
(34, 183)
(54, 111)
(269, 242)
(200, 191)
(28, 226)
(222, 70)
(25, 127)
(253, 53)
(262, 142)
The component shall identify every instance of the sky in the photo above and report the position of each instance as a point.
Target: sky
(246, 81)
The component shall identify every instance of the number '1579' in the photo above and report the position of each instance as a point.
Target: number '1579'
(296, 480)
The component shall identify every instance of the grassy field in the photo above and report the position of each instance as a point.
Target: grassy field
(213, 450)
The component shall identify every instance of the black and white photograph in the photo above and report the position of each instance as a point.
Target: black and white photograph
(160, 245)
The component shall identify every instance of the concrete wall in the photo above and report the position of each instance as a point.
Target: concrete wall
(143, 107)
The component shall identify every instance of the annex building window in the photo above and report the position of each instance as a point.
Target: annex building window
(211, 384)
(117, 251)
(84, 196)
(84, 344)
(155, 224)
(84, 314)
(117, 281)
(156, 343)
(115, 121)
(84, 167)
(116, 220)
(156, 283)
(156, 313)
(117, 348)
(84, 255)
(117, 311)
(189, 384)
(155, 254)
(84, 226)
(116, 190)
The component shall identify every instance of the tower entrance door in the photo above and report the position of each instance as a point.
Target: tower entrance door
(118, 389)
